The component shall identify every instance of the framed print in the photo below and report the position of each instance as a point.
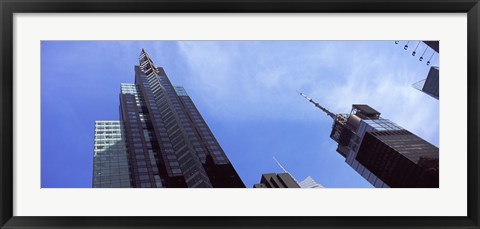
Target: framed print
(239, 114)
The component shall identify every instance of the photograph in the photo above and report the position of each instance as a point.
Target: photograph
(256, 114)
(239, 114)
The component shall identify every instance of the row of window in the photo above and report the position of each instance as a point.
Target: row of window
(383, 124)
(111, 169)
(116, 161)
(109, 177)
(109, 147)
(108, 141)
(107, 123)
(103, 128)
(113, 132)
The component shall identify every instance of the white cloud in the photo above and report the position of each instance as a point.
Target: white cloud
(251, 80)
(256, 80)
(384, 82)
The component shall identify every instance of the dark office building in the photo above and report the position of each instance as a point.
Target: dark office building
(274, 180)
(382, 152)
(430, 85)
(386, 154)
(168, 142)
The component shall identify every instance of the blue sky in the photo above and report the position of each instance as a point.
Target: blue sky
(246, 92)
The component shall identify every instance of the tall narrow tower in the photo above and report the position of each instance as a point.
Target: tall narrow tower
(168, 142)
(382, 152)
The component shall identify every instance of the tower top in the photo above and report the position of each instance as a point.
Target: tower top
(146, 64)
(143, 54)
(329, 113)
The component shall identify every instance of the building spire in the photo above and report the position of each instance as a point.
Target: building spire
(143, 54)
(146, 64)
(332, 115)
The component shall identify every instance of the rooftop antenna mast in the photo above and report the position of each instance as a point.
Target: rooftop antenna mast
(284, 170)
(332, 115)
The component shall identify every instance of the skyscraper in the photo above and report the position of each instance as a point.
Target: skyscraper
(382, 152)
(110, 161)
(168, 142)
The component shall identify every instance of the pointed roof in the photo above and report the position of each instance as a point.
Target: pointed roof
(146, 64)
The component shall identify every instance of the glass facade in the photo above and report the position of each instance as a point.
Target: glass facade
(143, 163)
(180, 91)
(400, 159)
(382, 152)
(354, 145)
(110, 162)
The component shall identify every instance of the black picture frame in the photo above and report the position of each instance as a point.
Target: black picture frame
(9, 7)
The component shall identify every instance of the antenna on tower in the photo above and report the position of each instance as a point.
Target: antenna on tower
(332, 115)
(280, 165)
(284, 170)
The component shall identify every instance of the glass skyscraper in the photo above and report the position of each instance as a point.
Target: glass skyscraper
(168, 142)
(110, 162)
(385, 154)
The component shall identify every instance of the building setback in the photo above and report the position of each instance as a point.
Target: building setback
(274, 180)
(309, 182)
(382, 152)
(285, 178)
(168, 142)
